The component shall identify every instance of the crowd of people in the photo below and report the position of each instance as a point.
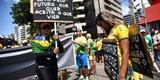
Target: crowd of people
(8, 42)
(153, 44)
(88, 51)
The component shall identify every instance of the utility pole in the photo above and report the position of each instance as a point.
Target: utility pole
(131, 7)
(99, 6)
(144, 16)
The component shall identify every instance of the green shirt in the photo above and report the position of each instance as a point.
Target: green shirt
(148, 41)
(80, 40)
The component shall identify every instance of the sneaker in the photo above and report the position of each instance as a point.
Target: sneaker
(87, 78)
(81, 78)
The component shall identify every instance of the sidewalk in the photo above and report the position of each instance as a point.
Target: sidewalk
(99, 75)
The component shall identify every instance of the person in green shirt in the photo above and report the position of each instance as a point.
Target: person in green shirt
(91, 53)
(149, 43)
(147, 38)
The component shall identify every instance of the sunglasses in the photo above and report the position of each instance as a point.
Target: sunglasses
(46, 27)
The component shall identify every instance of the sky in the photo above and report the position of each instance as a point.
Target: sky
(6, 25)
(124, 6)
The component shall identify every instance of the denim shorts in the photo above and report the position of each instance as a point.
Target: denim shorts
(81, 59)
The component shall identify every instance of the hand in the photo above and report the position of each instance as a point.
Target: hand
(158, 42)
(56, 37)
(74, 42)
(56, 50)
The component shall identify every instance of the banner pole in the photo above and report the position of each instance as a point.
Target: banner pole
(55, 33)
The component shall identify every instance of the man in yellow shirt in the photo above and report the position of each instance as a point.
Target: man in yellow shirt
(99, 53)
(81, 58)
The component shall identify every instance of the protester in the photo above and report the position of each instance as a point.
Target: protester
(1, 42)
(81, 55)
(45, 49)
(24, 42)
(115, 30)
(156, 47)
(147, 38)
(1, 46)
(14, 44)
(99, 53)
(152, 32)
(90, 53)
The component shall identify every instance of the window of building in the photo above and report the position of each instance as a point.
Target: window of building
(107, 2)
(107, 7)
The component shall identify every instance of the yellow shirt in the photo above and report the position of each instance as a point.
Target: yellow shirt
(99, 45)
(1, 46)
(83, 41)
(119, 32)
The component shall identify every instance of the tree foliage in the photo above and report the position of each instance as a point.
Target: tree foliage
(21, 12)
(21, 15)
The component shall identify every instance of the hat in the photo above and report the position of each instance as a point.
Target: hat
(79, 30)
(142, 30)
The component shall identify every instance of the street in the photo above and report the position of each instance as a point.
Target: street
(100, 74)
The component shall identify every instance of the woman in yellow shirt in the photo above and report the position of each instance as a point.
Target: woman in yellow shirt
(114, 30)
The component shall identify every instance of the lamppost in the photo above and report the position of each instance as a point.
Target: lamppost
(144, 16)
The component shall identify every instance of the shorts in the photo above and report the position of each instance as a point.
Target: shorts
(81, 59)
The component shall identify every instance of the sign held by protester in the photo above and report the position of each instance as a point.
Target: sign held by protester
(52, 10)
(110, 59)
(139, 56)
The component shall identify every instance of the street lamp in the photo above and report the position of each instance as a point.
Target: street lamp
(144, 16)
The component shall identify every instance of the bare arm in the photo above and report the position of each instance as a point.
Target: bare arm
(82, 45)
(124, 46)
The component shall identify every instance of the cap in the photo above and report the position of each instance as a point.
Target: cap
(142, 30)
(79, 30)
(156, 31)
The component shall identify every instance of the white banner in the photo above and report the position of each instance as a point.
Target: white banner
(19, 63)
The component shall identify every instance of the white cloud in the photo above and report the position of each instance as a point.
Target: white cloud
(125, 10)
(16, 1)
(124, 5)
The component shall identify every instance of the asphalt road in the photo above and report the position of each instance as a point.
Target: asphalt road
(100, 74)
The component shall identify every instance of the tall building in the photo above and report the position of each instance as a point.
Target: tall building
(128, 18)
(138, 4)
(152, 15)
(112, 6)
(85, 13)
(21, 33)
(78, 15)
